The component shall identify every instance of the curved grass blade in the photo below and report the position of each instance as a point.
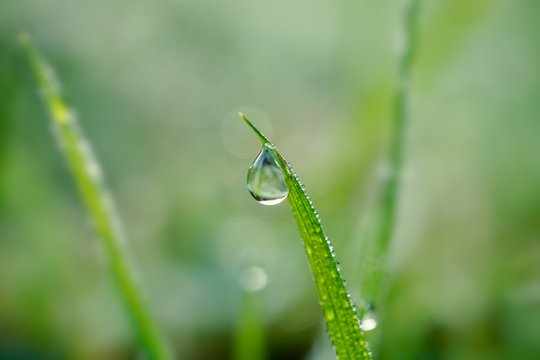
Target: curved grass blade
(87, 175)
(339, 313)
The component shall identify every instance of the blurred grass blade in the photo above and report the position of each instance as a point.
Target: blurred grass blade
(9, 83)
(249, 337)
(372, 285)
(339, 313)
(87, 175)
(400, 119)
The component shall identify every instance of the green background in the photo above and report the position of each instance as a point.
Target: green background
(157, 85)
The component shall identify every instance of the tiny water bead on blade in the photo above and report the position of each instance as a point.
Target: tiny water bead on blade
(369, 319)
(265, 180)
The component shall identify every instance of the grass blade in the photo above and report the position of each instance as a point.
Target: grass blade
(249, 337)
(87, 175)
(401, 101)
(339, 312)
(372, 286)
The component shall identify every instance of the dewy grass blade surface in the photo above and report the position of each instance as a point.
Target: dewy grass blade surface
(87, 175)
(339, 312)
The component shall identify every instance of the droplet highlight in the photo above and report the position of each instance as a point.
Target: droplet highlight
(369, 320)
(265, 180)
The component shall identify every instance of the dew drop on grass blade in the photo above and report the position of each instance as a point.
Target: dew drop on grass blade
(265, 180)
(339, 313)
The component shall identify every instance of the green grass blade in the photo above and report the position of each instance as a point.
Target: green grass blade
(400, 116)
(249, 337)
(339, 312)
(87, 175)
(372, 286)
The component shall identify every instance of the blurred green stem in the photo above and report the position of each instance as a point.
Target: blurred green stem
(87, 174)
(391, 187)
(249, 338)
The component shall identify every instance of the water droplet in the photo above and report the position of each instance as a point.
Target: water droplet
(265, 180)
(369, 320)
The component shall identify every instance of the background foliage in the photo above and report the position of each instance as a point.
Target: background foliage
(157, 86)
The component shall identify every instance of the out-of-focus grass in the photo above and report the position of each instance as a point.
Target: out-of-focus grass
(249, 341)
(155, 83)
(87, 174)
(371, 282)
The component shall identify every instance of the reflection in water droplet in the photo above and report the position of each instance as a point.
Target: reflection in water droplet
(265, 180)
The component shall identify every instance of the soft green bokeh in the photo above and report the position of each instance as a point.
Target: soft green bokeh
(157, 85)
